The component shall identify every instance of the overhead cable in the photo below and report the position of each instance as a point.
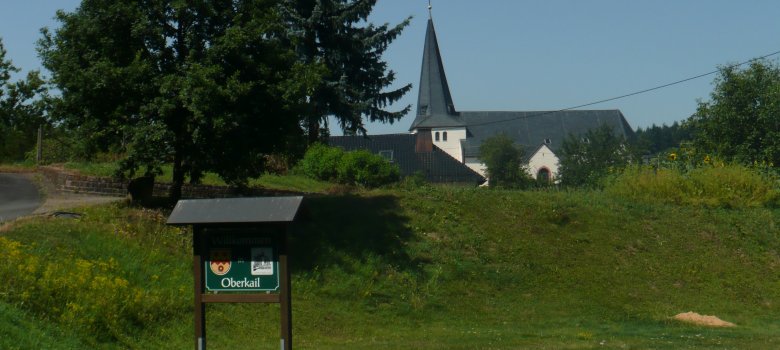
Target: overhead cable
(630, 94)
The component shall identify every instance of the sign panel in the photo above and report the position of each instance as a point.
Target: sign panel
(241, 261)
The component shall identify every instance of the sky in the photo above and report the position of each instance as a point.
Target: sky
(522, 55)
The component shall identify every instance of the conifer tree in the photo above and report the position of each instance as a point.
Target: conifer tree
(335, 34)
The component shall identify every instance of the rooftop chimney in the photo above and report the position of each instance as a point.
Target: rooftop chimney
(424, 143)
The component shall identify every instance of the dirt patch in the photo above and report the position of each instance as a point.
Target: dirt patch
(702, 320)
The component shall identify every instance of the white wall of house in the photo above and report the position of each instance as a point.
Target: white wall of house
(543, 158)
(448, 139)
(476, 165)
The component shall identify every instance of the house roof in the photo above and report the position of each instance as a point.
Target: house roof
(434, 101)
(235, 210)
(532, 128)
(436, 165)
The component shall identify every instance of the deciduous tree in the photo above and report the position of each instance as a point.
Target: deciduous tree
(741, 122)
(504, 161)
(21, 109)
(587, 159)
(205, 85)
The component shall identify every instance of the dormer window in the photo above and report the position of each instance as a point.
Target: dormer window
(436, 136)
(547, 141)
(444, 136)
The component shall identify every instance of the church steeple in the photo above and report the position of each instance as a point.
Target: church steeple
(434, 102)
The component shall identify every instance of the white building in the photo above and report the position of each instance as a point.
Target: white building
(459, 134)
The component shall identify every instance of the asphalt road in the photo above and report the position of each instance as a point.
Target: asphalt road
(18, 196)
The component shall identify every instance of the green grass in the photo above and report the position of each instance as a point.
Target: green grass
(17, 167)
(19, 330)
(441, 268)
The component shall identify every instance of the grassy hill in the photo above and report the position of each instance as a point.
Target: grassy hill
(401, 268)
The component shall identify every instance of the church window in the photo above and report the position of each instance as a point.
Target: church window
(436, 135)
(444, 136)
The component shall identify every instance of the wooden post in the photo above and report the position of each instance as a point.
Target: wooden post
(285, 306)
(39, 153)
(223, 225)
(200, 307)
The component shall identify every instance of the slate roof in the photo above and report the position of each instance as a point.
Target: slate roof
(527, 128)
(437, 165)
(434, 101)
(235, 210)
(533, 128)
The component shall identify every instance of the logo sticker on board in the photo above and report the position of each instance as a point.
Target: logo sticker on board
(262, 261)
(219, 261)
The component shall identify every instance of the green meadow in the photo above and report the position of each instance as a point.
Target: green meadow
(415, 267)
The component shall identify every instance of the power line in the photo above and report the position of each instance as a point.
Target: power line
(629, 94)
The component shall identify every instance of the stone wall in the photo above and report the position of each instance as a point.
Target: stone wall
(67, 181)
(71, 182)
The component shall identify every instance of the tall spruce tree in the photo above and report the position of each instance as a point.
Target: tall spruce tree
(207, 85)
(336, 35)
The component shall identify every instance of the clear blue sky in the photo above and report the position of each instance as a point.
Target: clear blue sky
(538, 55)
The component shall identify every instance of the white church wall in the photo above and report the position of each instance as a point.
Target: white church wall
(476, 165)
(448, 139)
(541, 159)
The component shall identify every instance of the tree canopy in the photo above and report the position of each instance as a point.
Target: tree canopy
(656, 139)
(504, 161)
(336, 35)
(741, 122)
(587, 159)
(206, 85)
(22, 106)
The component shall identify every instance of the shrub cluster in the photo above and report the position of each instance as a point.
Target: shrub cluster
(89, 295)
(726, 186)
(360, 167)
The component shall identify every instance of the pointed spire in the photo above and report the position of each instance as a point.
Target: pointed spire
(434, 99)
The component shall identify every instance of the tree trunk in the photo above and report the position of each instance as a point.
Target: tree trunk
(178, 165)
(178, 175)
(314, 129)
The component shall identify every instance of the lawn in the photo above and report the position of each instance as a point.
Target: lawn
(431, 267)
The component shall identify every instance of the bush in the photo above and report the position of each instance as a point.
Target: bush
(587, 160)
(728, 186)
(504, 162)
(321, 162)
(93, 296)
(366, 169)
(360, 167)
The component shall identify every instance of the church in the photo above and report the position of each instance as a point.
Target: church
(439, 129)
